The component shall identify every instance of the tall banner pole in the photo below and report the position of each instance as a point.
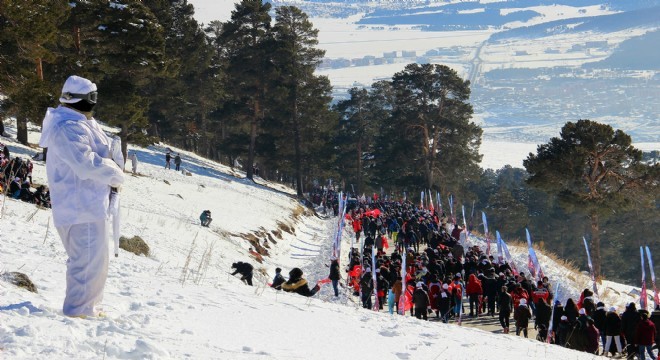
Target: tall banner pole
(532, 254)
(421, 200)
(656, 299)
(591, 267)
(500, 255)
(466, 230)
(552, 316)
(642, 295)
(485, 221)
(374, 278)
(402, 297)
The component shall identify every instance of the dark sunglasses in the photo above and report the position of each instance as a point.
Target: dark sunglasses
(90, 97)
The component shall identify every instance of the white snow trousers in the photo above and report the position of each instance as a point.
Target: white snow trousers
(608, 343)
(87, 267)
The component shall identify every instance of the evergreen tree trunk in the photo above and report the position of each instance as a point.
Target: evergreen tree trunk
(21, 129)
(296, 144)
(359, 168)
(123, 136)
(429, 172)
(595, 244)
(249, 173)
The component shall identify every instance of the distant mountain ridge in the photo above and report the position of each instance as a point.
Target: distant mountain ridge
(455, 15)
(603, 23)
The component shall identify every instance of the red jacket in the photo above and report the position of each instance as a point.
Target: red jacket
(540, 293)
(357, 225)
(645, 334)
(473, 286)
(517, 294)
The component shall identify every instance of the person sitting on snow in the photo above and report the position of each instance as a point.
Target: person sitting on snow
(278, 280)
(205, 218)
(297, 284)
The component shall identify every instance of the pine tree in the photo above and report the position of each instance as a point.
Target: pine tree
(594, 170)
(359, 122)
(28, 32)
(245, 43)
(296, 58)
(122, 50)
(432, 107)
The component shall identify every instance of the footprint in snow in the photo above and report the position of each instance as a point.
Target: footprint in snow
(402, 355)
(388, 333)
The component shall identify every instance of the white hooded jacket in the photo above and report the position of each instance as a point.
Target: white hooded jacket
(80, 168)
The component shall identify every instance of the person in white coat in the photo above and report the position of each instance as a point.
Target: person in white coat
(134, 162)
(83, 165)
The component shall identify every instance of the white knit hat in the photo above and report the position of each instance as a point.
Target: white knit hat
(420, 284)
(582, 311)
(523, 302)
(76, 85)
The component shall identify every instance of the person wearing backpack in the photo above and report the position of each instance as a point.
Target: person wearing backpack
(522, 315)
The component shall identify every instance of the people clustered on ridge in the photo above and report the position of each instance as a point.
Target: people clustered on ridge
(16, 180)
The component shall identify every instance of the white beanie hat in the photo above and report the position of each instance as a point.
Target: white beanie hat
(612, 309)
(523, 302)
(582, 311)
(445, 286)
(76, 85)
(564, 317)
(420, 284)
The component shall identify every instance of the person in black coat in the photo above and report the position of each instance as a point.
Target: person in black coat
(599, 321)
(563, 330)
(506, 307)
(335, 275)
(278, 280)
(444, 302)
(629, 321)
(490, 288)
(543, 314)
(421, 302)
(556, 318)
(245, 270)
(297, 284)
(382, 285)
(612, 330)
(367, 288)
(571, 311)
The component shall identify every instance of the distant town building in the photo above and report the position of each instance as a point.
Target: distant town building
(360, 62)
(389, 55)
(521, 53)
(409, 54)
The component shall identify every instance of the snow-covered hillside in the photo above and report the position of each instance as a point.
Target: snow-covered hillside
(181, 302)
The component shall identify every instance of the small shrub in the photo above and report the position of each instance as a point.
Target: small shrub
(20, 280)
(135, 245)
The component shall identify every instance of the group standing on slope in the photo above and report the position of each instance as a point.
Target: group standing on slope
(437, 263)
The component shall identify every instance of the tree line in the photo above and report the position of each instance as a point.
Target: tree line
(245, 91)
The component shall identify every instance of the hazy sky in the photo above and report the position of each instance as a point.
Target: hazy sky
(209, 10)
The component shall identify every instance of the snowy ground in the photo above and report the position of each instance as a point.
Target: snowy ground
(181, 301)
